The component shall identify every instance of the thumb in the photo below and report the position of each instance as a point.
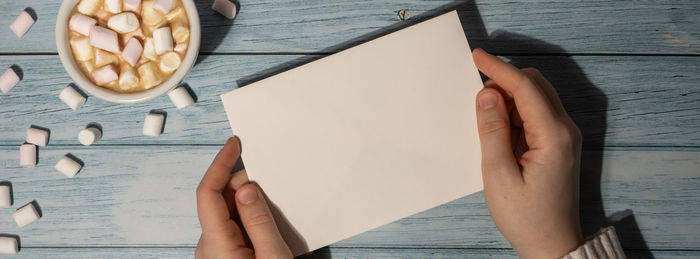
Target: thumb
(259, 223)
(497, 159)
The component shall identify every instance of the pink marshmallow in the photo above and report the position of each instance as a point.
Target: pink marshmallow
(105, 75)
(103, 38)
(27, 155)
(132, 5)
(81, 23)
(8, 80)
(37, 137)
(21, 24)
(164, 6)
(132, 51)
(225, 8)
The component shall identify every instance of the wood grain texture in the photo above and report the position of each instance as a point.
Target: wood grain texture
(144, 196)
(617, 101)
(669, 27)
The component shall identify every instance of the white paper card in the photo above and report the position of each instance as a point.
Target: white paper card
(366, 136)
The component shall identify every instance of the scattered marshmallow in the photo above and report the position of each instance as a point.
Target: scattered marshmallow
(181, 97)
(164, 6)
(105, 75)
(162, 40)
(68, 166)
(149, 50)
(132, 5)
(113, 6)
(72, 98)
(180, 33)
(5, 196)
(39, 137)
(89, 136)
(225, 8)
(103, 38)
(153, 125)
(82, 50)
(22, 24)
(123, 22)
(8, 245)
(8, 80)
(128, 78)
(169, 62)
(81, 23)
(132, 51)
(149, 75)
(89, 7)
(27, 155)
(26, 215)
(103, 58)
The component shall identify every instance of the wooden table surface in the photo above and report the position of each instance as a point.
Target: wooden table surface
(627, 71)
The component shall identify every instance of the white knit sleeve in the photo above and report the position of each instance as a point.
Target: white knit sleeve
(603, 245)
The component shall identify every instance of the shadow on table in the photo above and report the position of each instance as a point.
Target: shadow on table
(214, 28)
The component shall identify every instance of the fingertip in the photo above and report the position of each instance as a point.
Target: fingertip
(247, 194)
(488, 98)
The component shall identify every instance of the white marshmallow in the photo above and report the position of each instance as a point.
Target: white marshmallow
(8, 245)
(87, 66)
(169, 62)
(22, 24)
(8, 80)
(149, 75)
(153, 125)
(164, 6)
(89, 7)
(123, 22)
(26, 215)
(81, 23)
(149, 51)
(37, 137)
(128, 78)
(113, 6)
(162, 40)
(103, 58)
(82, 50)
(105, 75)
(177, 15)
(103, 38)
(72, 98)
(225, 8)
(180, 33)
(181, 98)
(5, 196)
(132, 5)
(89, 136)
(180, 48)
(68, 167)
(150, 16)
(132, 51)
(27, 155)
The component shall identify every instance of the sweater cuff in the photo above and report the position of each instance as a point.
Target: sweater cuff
(603, 245)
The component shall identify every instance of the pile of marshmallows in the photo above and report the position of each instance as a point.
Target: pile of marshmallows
(37, 137)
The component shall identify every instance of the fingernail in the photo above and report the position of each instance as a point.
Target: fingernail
(248, 196)
(487, 100)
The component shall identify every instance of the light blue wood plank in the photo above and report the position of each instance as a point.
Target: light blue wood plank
(144, 196)
(617, 101)
(312, 26)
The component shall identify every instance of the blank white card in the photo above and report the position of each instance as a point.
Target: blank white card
(364, 137)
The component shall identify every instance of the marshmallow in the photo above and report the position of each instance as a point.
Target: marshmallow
(82, 50)
(123, 22)
(87, 66)
(5, 196)
(132, 5)
(68, 166)
(181, 97)
(27, 155)
(103, 38)
(162, 40)
(8, 245)
(128, 78)
(103, 58)
(39, 137)
(138, 33)
(8, 80)
(89, 136)
(26, 215)
(180, 33)
(81, 23)
(149, 75)
(177, 15)
(164, 6)
(149, 51)
(21, 24)
(150, 16)
(225, 8)
(105, 75)
(180, 48)
(153, 125)
(89, 7)
(132, 51)
(72, 98)
(169, 62)
(113, 6)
